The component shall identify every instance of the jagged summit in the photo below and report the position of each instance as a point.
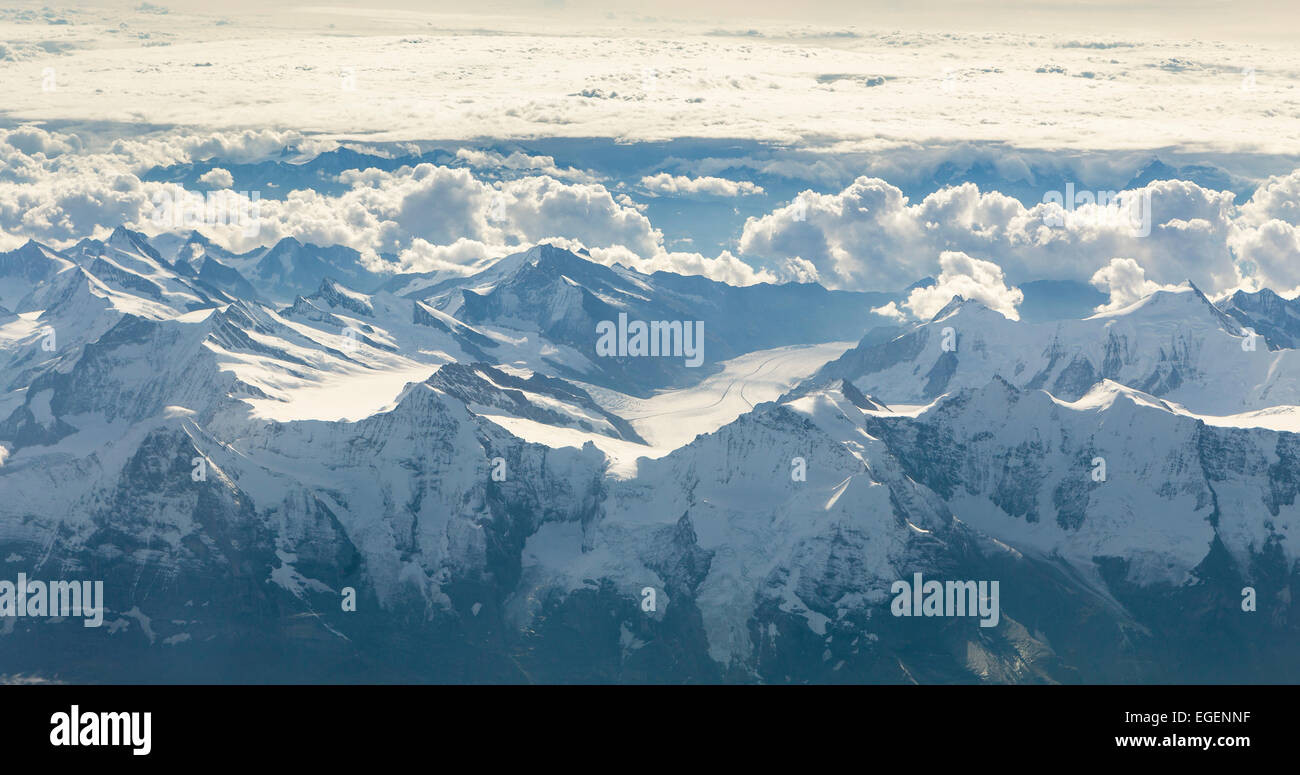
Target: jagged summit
(1268, 314)
(954, 304)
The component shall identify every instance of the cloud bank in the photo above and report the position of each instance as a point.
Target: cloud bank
(865, 236)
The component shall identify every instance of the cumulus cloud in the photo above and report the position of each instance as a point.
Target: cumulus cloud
(892, 311)
(33, 140)
(800, 271)
(869, 236)
(52, 189)
(665, 184)
(541, 207)
(429, 217)
(65, 208)
(1266, 236)
(1126, 282)
(960, 275)
(1277, 198)
(217, 178)
(1268, 256)
(460, 257)
(27, 152)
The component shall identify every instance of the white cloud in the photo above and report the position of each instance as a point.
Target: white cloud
(459, 257)
(217, 178)
(869, 236)
(536, 81)
(1268, 256)
(960, 275)
(665, 184)
(58, 188)
(724, 268)
(430, 217)
(542, 207)
(1277, 198)
(1126, 282)
(800, 271)
(33, 140)
(891, 310)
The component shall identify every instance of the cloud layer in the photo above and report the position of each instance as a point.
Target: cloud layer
(410, 76)
(865, 236)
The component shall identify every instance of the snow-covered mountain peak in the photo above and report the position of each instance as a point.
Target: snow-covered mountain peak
(1268, 314)
(952, 307)
(336, 294)
(1184, 304)
(467, 462)
(1105, 393)
(22, 270)
(130, 241)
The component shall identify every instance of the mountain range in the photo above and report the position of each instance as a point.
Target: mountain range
(239, 444)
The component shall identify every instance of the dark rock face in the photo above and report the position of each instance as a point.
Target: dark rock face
(1274, 318)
